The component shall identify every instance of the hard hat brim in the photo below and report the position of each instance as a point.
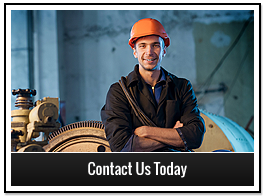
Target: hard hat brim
(133, 40)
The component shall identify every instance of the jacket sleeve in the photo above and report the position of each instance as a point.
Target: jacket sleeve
(193, 128)
(116, 118)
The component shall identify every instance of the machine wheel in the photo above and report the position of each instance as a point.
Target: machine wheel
(85, 136)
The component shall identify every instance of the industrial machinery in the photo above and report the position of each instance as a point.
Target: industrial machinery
(222, 134)
(28, 124)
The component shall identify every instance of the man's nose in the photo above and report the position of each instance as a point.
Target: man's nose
(149, 49)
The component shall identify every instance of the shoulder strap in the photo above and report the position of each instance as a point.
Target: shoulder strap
(138, 112)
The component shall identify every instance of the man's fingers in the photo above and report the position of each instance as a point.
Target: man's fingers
(178, 124)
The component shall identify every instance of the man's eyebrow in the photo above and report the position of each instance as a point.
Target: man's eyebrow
(146, 43)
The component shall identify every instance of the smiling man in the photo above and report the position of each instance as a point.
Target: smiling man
(168, 101)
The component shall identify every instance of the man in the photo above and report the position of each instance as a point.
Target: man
(165, 99)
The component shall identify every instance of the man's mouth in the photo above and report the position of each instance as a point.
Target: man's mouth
(150, 59)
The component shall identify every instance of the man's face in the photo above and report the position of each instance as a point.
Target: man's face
(149, 51)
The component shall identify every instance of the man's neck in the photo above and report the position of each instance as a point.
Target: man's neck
(150, 77)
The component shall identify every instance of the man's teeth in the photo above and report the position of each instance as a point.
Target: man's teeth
(150, 59)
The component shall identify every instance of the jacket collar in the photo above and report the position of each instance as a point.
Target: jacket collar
(135, 77)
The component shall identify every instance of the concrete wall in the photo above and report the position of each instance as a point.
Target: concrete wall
(91, 52)
(34, 52)
(20, 71)
(236, 72)
(46, 67)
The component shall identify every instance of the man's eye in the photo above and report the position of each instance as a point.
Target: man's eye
(156, 45)
(141, 46)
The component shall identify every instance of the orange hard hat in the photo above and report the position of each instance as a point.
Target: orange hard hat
(145, 27)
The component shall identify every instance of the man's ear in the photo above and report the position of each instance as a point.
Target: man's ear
(135, 53)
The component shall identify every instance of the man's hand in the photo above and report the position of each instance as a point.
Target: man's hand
(178, 124)
(141, 131)
(143, 143)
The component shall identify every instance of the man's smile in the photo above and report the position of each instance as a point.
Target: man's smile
(153, 59)
(150, 59)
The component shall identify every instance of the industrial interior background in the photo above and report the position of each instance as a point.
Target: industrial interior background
(77, 54)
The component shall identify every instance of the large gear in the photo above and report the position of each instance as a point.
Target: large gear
(85, 136)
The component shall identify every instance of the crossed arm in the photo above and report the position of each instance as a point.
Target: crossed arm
(152, 138)
(116, 117)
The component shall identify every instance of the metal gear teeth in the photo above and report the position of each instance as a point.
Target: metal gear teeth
(88, 123)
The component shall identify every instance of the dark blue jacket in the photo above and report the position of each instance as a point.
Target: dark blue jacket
(177, 102)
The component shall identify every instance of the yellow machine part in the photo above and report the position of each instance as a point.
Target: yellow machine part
(214, 138)
(20, 121)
